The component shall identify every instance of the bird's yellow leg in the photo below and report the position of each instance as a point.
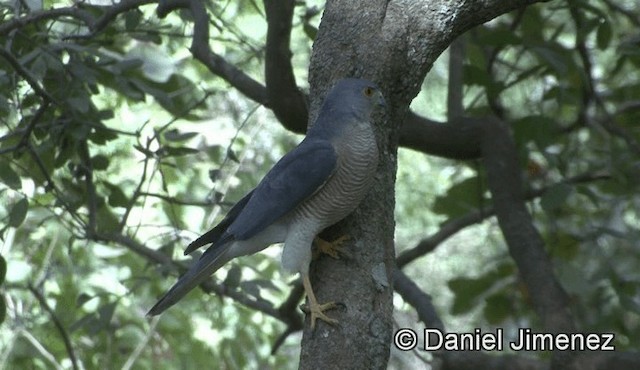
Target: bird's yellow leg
(315, 309)
(330, 248)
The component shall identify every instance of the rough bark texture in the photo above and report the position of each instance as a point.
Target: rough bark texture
(393, 44)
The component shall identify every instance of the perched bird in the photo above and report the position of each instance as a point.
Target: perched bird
(312, 187)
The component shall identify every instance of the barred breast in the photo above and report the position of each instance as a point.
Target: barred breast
(357, 162)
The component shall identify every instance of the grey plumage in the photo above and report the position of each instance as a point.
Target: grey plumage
(312, 187)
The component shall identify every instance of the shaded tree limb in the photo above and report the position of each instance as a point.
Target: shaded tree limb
(549, 300)
(201, 50)
(418, 299)
(288, 103)
(455, 101)
(288, 308)
(480, 360)
(30, 79)
(455, 225)
(459, 139)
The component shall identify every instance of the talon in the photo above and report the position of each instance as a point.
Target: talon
(331, 248)
(317, 312)
(314, 308)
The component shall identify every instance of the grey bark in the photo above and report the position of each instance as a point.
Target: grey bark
(394, 44)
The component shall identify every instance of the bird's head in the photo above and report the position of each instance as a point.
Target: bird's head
(350, 101)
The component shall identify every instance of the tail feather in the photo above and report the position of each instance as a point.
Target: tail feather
(214, 235)
(210, 262)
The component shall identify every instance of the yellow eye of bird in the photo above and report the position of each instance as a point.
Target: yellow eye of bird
(368, 91)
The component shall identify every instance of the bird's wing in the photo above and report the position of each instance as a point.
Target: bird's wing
(297, 176)
(213, 235)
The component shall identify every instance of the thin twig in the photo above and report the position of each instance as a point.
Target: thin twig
(57, 324)
(32, 81)
(142, 344)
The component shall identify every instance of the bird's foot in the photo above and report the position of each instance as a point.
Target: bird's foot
(316, 311)
(333, 248)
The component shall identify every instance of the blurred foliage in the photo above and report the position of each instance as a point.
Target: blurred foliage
(122, 132)
(566, 76)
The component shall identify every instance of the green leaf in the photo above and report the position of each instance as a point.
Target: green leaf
(18, 212)
(105, 314)
(9, 177)
(563, 245)
(310, 30)
(474, 75)
(468, 291)
(172, 151)
(3, 309)
(80, 104)
(132, 19)
(101, 135)
(540, 129)
(100, 162)
(232, 155)
(604, 35)
(498, 36)
(3, 269)
(460, 198)
(555, 197)
(82, 299)
(117, 198)
(175, 135)
(497, 308)
(107, 221)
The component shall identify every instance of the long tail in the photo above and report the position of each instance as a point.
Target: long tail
(207, 264)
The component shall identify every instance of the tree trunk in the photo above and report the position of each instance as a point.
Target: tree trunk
(393, 44)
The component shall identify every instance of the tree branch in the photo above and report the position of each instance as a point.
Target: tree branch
(418, 299)
(451, 227)
(549, 300)
(201, 50)
(56, 322)
(289, 104)
(459, 139)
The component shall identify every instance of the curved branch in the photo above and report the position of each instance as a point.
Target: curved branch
(201, 50)
(459, 139)
(43, 15)
(418, 299)
(549, 300)
(289, 104)
(453, 226)
(56, 322)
